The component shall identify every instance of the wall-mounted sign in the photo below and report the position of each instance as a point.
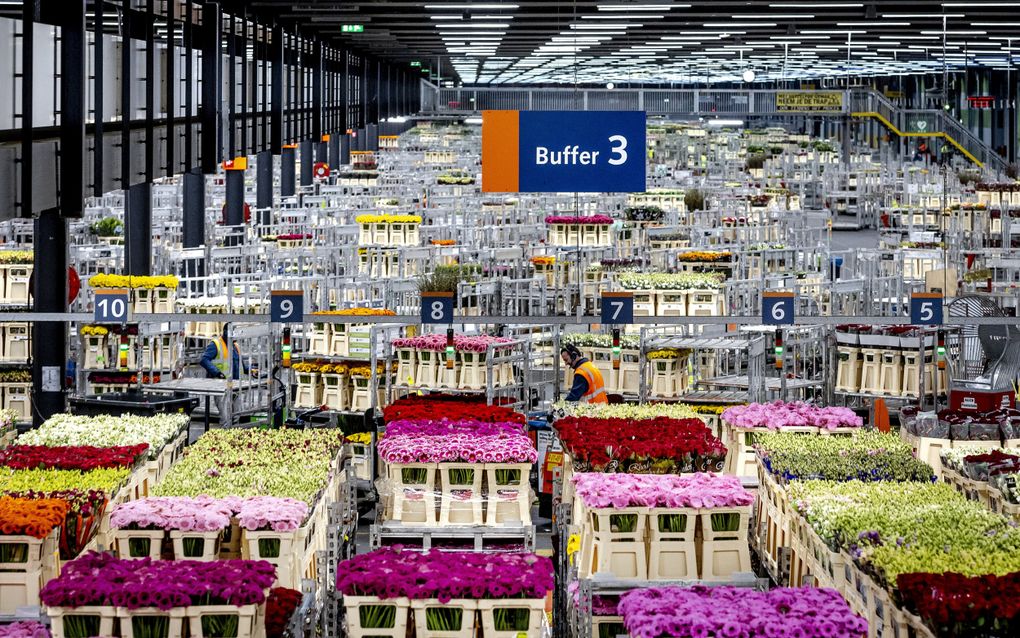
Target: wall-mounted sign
(416, 63)
(809, 101)
(981, 101)
(352, 28)
(777, 308)
(563, 151)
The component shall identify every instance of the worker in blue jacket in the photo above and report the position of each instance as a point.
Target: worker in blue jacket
(214, 359)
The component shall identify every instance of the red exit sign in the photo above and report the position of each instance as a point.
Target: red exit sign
(981, 101)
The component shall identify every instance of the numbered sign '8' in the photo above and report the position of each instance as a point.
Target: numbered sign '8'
(437, 307)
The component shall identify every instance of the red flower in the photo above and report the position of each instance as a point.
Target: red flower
(963, 606)
(442, 406)
(279, 608)
(596, 442)
(71, 457)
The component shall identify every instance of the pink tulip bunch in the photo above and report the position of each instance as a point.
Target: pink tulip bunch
(437, 342)
(780, 414)
(700, 490)
(207, 514)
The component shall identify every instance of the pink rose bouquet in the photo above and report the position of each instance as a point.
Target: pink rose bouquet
(700, 490)
(780, 414)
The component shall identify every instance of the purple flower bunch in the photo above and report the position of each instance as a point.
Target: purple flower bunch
(731, 612)
(573, 219)
(463, 441)
(437, 342)
(24, 629)
(780, 414)
(207, 514)
(700, 490)
(103, 579)
(392, 573)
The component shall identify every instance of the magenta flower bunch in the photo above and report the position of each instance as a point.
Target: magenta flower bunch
(461, 441)
(731, 612)
(392, 573)
(780, 414)
(102, 579)
(207, 514)
(700, 490)
(461, 343)
(24, 629)
(603, 220)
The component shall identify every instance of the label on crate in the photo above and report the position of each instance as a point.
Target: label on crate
(563, 151)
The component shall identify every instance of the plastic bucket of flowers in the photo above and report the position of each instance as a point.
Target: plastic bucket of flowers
(372, 617)
(451, 619)
(511, 617)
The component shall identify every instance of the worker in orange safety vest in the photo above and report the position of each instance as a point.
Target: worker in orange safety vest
(588, 386)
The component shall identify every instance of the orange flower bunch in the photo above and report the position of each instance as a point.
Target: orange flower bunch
(543, 260)
(705, 255)
(444, 242)
(359, 312)
(31, 517)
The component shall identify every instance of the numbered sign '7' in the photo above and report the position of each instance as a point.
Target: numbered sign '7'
(617, 308)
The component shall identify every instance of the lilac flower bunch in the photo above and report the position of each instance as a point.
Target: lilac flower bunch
(461, 343)
(731, 612)
(798, 413)
(463, 441)
(207, 514)
(24, 629)
(602, 220)
(700, 490)
(102, 579)
(392, 573)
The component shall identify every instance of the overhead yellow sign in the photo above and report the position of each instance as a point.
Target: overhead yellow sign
(809, 101)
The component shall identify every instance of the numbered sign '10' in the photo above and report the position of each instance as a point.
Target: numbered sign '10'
(926, 308)
(287, 306)
(777, 308)
(111, 306)
(437, 307)
(617, 308)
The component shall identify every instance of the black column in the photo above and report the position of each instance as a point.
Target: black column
(306, 162)
(150, 92)
(276, 99)
(210, 110)
(194, 209)
(334, 150)
(287, 171)
(97, 138)
(229, 99)
(317, 90)
(235, 203)
(49, 338)
(345, 149)
(264, 180)
(171, 93)
(72, 108)
(138, 230)
(127, 81)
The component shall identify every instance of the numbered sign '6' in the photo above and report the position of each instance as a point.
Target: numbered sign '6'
(617, 308)
(111, 306)
(287, 306)
(926, 308)
(777, 308)
(437, 307)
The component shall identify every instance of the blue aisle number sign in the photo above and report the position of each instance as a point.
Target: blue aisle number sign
(111, 306)
(563, 151)
(287, 306)
(926, 308)
(777, 308)
(617, 308)
(437, 307)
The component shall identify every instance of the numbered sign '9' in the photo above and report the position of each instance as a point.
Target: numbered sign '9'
(777, 308)
(287, 306)
(437, 307)
(111, 306)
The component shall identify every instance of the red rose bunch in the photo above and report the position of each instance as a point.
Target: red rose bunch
(599, 444)
(71, 457)
(957, 605)
(452, 408)
(279, 608)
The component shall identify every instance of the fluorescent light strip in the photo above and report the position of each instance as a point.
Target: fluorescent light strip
(642, 7)
(470, 6)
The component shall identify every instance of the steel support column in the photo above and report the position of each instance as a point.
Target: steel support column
(98, 105)
(276, 86)
(171, 90)
(263, 181)
(306, 162)
(150, 91)
(210, 109)
(138, 230)
(194, 209)
(49, 338)
(234, 213)
(287, 171)
(317, 91)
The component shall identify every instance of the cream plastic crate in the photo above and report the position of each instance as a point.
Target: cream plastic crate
(17, 341)
(413, 503)
(535, 608)
(309, 390)
(704, 303)
(319, 338)
(509, 502)
(622, 554)
(96, 354)
(665, 377)
(335, 391)
(152, 538)
(461, 503)
(210, 545)
(473, 370)
(16, 279)
(672, 303)
(353, 605)
(672, 555)
(724, 553)
(17, 397)
(407, 364)
(174, 615)
(249, 617)
(609, 623)
(468, 617)
(141, 300)
(103, 616)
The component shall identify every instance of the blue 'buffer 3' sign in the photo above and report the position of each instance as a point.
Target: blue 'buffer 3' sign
(563, 151)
